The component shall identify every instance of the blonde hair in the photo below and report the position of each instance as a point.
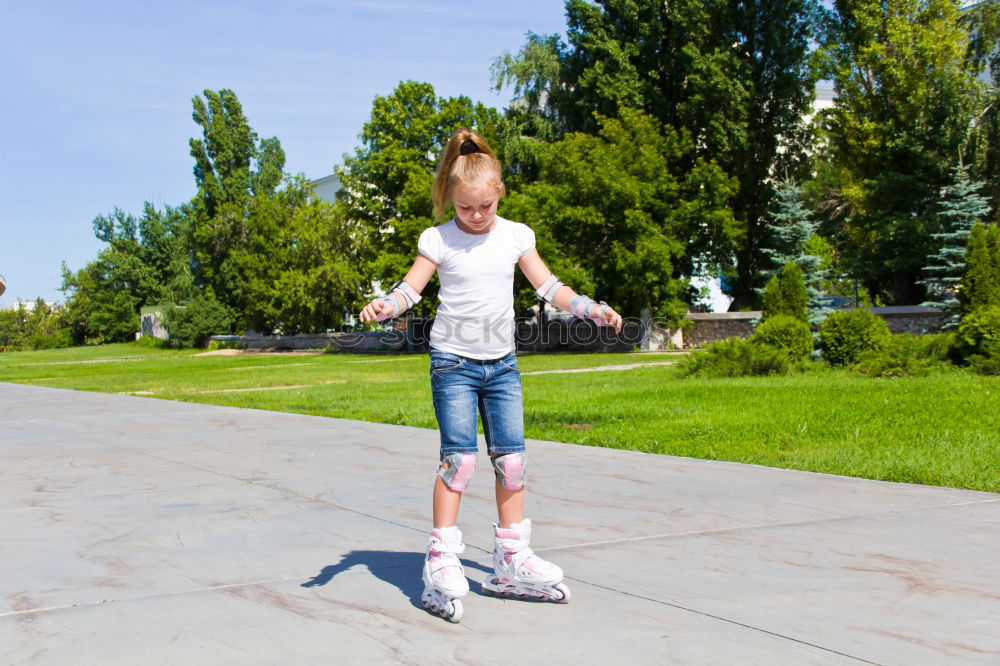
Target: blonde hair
(478, 165)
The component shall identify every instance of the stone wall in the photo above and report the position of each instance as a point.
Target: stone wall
(713, 326)
(706, 327)
(361, 342)
(911, 319)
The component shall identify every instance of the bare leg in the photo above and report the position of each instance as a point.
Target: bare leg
(446, 503)
(510, 505)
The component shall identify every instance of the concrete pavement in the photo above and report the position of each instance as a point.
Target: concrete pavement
(139, 531)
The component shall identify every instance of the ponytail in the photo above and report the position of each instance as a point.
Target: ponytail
(467, 158)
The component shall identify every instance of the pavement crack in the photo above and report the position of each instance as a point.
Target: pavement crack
(758, 526)
(727, 620)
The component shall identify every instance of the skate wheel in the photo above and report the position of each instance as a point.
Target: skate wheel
(564, 591)
(456, 611)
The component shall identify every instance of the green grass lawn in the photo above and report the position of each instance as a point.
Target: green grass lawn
(941, 430)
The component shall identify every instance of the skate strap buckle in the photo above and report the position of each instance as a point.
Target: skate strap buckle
(438, 546)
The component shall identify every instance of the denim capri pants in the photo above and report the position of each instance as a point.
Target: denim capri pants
(462, 386)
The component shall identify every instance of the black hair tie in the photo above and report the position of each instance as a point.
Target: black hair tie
(468, 147)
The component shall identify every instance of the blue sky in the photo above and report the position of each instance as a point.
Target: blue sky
(96, 109)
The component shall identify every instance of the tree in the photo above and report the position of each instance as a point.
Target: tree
(237, 176)
(252, 241)
(981, 282)
(790, 229)
(36, 327)
(316, 269)
(614, 212)
(192, 324)
(100, 307)
(772, 46)
(982, 21)
(277, 258)
(145, 262)
(733, 76)
(387, 181)
(904, 98)
(960, 208)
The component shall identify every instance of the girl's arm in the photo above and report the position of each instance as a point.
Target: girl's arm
(416, 279)
(538, 274)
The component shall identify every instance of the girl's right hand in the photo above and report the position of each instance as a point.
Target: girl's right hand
(375, 311)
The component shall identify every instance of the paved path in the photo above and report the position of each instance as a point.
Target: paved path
(139, 531)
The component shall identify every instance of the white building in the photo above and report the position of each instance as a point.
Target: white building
(327, 187)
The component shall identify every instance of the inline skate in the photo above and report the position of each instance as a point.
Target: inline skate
(444, 578)
(518, 572)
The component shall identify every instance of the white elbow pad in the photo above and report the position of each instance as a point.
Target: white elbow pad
(408, 293)
(548, 290)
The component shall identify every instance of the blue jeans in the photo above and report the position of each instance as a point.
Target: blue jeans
(461, 386)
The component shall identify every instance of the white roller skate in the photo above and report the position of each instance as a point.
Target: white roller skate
(518, 572)
(444, 578)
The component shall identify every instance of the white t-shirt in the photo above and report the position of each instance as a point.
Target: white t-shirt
(475, 317)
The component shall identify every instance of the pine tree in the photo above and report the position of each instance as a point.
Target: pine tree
(960, 208)
(790, 227)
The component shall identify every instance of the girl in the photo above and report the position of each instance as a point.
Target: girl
(473, 368)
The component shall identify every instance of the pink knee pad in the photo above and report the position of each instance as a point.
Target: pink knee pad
(509, 469)
(461, 467)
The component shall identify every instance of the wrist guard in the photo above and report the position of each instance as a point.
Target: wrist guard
(581, 307)
(392, 309)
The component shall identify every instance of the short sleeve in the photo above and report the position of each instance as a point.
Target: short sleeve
(430, 244)
(525, 239)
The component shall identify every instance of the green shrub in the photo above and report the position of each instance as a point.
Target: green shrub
(978, 330)
(32, 327)
(216, 345)
(981, 282)
(987, 363)
(192, 324)
(939, 346)
(735, 358)
(904, 356)
(150, 342)
(786, 333)
(845, 336)
(786, 294)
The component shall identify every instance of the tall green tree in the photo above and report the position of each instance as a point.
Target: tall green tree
(278, 258)
(387, 181)
(904, 99)
(733, 76)
(237, 176)
(982, 21)
(613, 212)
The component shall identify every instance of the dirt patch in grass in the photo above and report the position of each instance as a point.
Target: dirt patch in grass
(262, 352)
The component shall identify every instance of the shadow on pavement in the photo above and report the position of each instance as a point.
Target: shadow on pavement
(401, 570)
